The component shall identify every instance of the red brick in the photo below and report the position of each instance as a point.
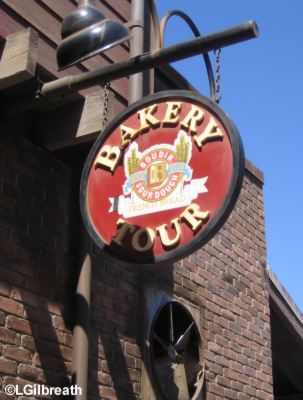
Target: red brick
(267, 387)
(243, 396)
(9, 337)
(264, 395)
(4, 289)
(234, 365)
(9, 380)
(58, 323)
(227, 314)
(135, 375)
(229, 354)
(108, 394)
(216, 369)
(239, 387)
(8, 367)
(19, 325)
(28, 343)
(215, 348)
(132, 349)
(230, 374)
(66, 353)
(11, 307)
(105, 379)
(230, 394)
(54, 308)
(222, 381)
(216, 389)
(137, 388)
(30, 372)
(251, 391)
(17, 354)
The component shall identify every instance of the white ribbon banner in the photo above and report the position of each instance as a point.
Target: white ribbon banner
(126, 207)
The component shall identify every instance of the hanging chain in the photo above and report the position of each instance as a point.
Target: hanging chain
(105, 104)
(218, 75)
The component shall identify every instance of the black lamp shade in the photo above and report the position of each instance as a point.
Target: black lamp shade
(85, 33)
(81, 18)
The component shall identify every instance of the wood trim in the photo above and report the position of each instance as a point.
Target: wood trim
(19, 59)
(284, 295)
(255, 171)
(115, 9)
(75, 123)
(291, 322)
(61, 8)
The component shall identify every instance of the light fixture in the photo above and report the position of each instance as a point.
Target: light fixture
(87, 32)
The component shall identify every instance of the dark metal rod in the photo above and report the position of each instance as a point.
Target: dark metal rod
(202, 44)
(136, 48)
(82, 319)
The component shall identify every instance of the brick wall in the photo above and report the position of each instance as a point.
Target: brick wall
(38, 203)
(38, 247)
(226, 279)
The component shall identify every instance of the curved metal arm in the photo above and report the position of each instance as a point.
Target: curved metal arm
(196, 32)
(156, 25)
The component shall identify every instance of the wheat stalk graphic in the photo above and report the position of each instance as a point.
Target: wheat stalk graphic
(132, 161)
(182, 149)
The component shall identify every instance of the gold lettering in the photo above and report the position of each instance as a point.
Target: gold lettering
(124, 228)
(165, 240)
(172, 113)
(147, 118)
(108, 157)
(193, 118)
(128, 134)
(149, 239)
(211, 132)
(194, 216)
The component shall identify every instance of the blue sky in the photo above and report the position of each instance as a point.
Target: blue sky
(262, 87)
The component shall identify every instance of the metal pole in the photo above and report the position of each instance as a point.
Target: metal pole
(136, 48)
(82, 318)
(202, 44)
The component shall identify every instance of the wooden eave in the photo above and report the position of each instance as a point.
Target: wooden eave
(287, 342)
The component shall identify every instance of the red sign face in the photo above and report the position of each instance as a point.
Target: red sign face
(162, 178)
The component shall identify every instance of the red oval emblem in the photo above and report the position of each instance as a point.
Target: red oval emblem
(162, 178)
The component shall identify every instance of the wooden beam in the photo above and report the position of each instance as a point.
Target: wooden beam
(288, 300)
(19, 59)
(74, 123)
(284, 306)
(292, 323)
(92, 116)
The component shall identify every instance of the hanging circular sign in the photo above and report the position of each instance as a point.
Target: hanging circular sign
(162, 178)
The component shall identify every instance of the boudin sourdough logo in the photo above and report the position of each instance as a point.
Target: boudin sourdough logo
(162, 178)
(158, 179)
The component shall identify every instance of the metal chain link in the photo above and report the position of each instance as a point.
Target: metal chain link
(105, 104)
(218, 76)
